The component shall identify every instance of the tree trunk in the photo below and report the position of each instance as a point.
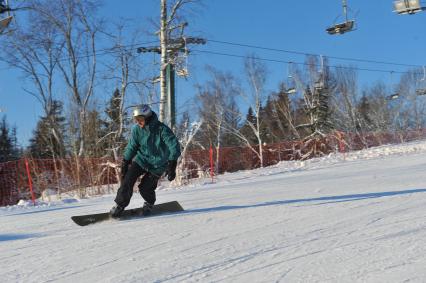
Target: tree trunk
(163, 45)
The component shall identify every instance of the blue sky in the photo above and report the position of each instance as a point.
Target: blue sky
(299, 26)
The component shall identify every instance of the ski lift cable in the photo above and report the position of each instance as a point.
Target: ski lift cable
(292, 62)
(108, 50)
(313, 54)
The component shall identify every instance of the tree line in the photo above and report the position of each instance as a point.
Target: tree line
(57, 52)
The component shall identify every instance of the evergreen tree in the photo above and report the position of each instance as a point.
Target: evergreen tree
(8, 150)
(94, 134)
(269, 124)
(284, 115)
(16, 150)
(113, 128)
(48, 136)
(246, 128)
(232, 120)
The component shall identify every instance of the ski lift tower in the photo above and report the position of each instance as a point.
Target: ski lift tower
(344, 27)
(174, 47)
(407, 7)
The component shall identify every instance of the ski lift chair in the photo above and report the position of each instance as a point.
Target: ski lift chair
(393, 96)
(422, 91)
(182, 72)
(344, 27)
(4, 23)
(410, 7)
(290, 87)
(290, 90)
(341, 28)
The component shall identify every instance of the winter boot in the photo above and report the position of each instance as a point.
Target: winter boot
(116, 211)
(146, 208)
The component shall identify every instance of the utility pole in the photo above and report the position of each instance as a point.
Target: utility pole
(169, 50)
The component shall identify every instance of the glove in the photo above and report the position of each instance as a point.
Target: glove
(171, 170)
(124, 167)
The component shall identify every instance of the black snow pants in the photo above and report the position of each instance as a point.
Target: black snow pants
(146, 187)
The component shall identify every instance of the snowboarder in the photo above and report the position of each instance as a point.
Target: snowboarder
(156, 150)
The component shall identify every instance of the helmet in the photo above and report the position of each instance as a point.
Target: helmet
(142, 110)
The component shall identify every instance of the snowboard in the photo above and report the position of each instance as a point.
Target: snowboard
(167, 207)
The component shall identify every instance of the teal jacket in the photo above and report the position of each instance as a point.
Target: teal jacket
(153, 146)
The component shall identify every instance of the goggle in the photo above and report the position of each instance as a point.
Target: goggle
(139, 118)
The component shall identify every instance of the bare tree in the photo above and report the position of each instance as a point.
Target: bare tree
(285, 114)
(256, 76)
(315, 87)
(187, 134)
(123, 71)
(34, 51)
(77, 30)
(216, 108)
(381, 114)
(346, 99)
(411, 107)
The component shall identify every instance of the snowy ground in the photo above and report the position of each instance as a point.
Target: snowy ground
(354, 218)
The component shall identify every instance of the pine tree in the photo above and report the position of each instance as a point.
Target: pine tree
(269, 124)
(232, 120)
(113, 128)
(7, 149)
(48, 136)
(246, 128)
(16, 150)
(284, 115)
(93, 122)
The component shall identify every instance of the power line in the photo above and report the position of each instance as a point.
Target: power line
(304, 53)
(296, 63)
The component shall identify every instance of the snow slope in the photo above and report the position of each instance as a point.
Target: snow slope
(354, 218)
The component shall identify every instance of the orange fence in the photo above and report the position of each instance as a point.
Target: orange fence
(97, 175)
(19, 181)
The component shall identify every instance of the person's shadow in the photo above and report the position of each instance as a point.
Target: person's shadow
(317, 201)
(13, 237)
